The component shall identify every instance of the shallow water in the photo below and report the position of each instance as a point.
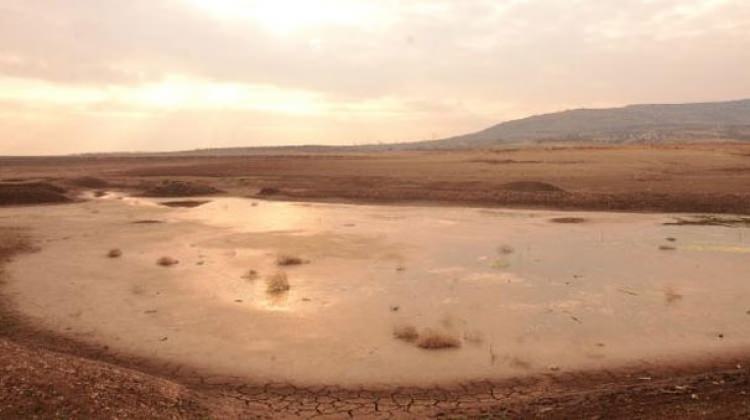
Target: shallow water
(522, 294)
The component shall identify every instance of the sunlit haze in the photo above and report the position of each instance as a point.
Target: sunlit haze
(148, 75)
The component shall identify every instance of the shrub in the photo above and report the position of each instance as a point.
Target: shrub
(406, 333)
(250, 275)
(433, 340)
(286, 260)
(277, 283)
(167, 261)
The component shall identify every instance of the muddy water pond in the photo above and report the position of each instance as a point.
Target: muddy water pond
(518, 292)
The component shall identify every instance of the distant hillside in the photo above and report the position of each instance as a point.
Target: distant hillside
(635, 123)
(630, 124)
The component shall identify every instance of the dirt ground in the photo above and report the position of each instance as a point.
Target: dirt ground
(671, 178)
(47, 376)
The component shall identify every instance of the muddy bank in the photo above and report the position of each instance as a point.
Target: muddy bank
(675, 178)
(170, 188)
(26, 193)
(628, 202)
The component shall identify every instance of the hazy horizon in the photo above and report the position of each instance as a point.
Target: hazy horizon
(104, 75)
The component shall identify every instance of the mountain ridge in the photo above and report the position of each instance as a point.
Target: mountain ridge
(627, 124)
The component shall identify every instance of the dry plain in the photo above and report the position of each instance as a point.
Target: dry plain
(543, 319)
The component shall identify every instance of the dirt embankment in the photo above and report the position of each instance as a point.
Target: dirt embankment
(37, 383)
(23, 193)
(671, 178)
(170, 188)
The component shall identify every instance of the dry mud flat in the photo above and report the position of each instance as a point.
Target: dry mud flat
(519, 294)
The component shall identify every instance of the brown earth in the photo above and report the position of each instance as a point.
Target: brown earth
(13, 194)
(47, 376)
(670, 178)
(179, 189)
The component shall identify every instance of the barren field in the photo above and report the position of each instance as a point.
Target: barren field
(673, 178)
(556, 283)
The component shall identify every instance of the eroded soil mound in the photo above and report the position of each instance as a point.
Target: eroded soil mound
(530, 186)
(41, 384)
(180, 189)
(31, 193)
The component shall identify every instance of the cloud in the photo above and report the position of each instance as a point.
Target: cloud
(364, 62)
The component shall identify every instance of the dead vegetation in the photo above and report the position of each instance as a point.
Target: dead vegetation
(671, 296)
(435, 340)
(428, 339)
(285, 260)
(114, 253)
(167, 261)
(505, 250)
(251, 275)
(277, 283)
(406, 333)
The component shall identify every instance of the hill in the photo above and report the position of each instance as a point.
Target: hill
(630, 124)
(634, 123)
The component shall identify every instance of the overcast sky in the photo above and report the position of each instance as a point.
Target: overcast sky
(106, 75)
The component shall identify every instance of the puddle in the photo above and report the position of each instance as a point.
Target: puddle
(520, 294)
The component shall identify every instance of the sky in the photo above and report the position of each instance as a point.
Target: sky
(151, 75)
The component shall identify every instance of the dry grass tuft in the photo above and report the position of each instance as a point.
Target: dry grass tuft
(114, 253)
(286, 260)
(406, 333)
(433, 340)
(505, 250)
(473, 337)
(277, 283)
(671, 296)
(250, 275)
(167, 261)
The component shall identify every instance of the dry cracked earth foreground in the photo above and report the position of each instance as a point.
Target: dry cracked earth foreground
(38, 383)
(648, 390)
